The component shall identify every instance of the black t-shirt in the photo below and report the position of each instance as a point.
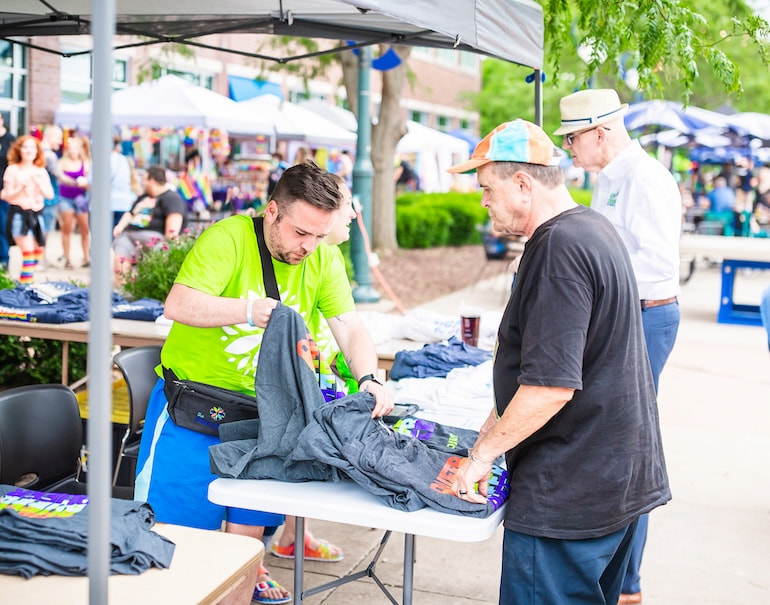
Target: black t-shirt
(168, 202)
(574, 320)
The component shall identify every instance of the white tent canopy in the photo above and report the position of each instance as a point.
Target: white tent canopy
(170, 102)
(294, 123)
(339, 115)
(435, 151)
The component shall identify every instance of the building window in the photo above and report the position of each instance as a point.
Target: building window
(204, 80)
(420, 117)
(447, 56)
(443, 123)
(13, 86)
(469, 61)
(77, 77)
(298, 95)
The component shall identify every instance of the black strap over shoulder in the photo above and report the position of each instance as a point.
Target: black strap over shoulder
(268, 274)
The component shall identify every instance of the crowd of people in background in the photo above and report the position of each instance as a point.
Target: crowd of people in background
(728, 199)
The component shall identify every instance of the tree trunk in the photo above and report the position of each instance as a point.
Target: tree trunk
(386, 133)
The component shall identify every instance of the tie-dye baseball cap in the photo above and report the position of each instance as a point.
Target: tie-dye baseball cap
(515, 141)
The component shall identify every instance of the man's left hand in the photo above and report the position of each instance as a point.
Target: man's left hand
(469, 474)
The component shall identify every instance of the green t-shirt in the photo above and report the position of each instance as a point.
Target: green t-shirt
(225, 262)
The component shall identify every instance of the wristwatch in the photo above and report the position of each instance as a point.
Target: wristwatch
(371, 377)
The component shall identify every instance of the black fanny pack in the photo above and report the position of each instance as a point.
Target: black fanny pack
(202, 407)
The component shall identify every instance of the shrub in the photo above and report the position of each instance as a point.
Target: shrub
(424, 220)
(581, 196)
(423, 226)
(156, 267)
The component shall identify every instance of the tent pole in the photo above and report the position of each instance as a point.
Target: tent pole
(538, 97)
(362, 183)
(99, 435)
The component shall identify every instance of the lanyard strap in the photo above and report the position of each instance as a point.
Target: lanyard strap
(268, 274)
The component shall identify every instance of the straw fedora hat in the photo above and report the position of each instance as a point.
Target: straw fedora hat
(589, 108)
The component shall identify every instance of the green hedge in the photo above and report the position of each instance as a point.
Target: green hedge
(426, 220)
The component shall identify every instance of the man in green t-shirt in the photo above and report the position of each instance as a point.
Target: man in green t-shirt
(220, 310)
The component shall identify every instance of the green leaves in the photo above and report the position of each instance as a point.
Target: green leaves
(673, 42)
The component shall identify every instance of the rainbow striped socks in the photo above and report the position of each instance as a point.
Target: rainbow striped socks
(28, 263)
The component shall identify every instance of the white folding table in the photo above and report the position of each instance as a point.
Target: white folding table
(347, 502)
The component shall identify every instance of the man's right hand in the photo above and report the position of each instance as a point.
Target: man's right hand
(261, 311)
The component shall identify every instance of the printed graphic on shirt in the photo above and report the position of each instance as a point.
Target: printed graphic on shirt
(310, 353)
(42, 505)
(613, 199)
(417, 428)
(242, 341)
(497, 486)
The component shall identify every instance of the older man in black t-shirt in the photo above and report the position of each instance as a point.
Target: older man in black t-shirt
(575, 409)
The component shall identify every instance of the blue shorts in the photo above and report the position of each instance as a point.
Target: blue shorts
(78, 205)
(173, 474)
(17, 225)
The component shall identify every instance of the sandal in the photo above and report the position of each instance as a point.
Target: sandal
(68, 265)
(322, 553)
(263, 587)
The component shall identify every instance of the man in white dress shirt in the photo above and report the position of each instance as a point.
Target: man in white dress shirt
(641, 199)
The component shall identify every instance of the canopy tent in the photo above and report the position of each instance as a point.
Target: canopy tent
(507, 29)
(466, 135)
(751, 124)
(339, 115)
(294, 123)
(706, 137)
(173, 102)
(669, 114)
(436, 151)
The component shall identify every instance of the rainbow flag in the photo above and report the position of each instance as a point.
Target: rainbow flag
(186, 188)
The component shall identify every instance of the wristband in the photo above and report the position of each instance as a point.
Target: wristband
(475, 459)
(371, 377)
(249, 307)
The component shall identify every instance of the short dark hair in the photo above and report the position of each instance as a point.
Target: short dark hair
(157, 174)
(309, 183)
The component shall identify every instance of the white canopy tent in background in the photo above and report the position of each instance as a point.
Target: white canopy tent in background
(169, 102)
(339, 115)
(507, 29)
(294, 123)
(435, 151)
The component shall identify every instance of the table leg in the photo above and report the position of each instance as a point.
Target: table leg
(65, 361)
(299, 558)
(408, 569)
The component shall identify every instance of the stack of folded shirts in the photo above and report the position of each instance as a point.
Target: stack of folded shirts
(44, 533)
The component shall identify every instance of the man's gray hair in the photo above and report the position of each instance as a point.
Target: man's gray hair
(550, 176)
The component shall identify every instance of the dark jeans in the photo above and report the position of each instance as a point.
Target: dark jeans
(546, 571)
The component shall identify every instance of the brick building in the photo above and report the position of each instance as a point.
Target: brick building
(33, 82)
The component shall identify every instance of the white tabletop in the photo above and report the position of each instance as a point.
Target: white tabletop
(721, 246)
(346, 502)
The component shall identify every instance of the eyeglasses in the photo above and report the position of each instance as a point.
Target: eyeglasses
(571, 137)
